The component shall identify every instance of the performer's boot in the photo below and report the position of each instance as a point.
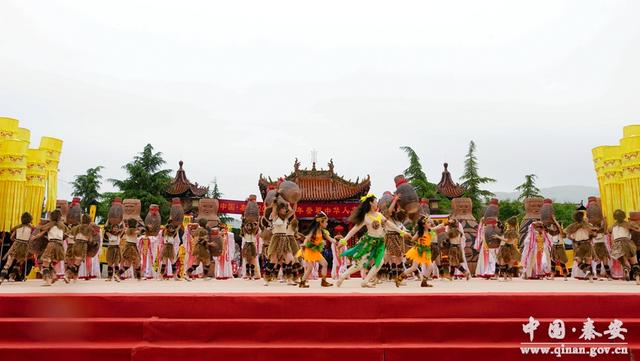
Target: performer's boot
(120, 272)
(189, 272)
(205, 272)
(565, 272)
(138, 273)
(109, 274)
(303, 284)
(324, 282)
(607, 270)
(299, 271)
(47, 275)
(116, 273)
(163, 271)
(425, 283)
(635, 273)
(174, 271)
(4, 274)
(252, 271)
(247, 270)
(466, 273)
(587, 271)
(268, 272)
(276, 271)
(401, 277)
(598, 270)
(71, 273)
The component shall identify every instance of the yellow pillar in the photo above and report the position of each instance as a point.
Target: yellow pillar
(631, 172)
(598, 162)
(13, 166)
(52, 148)
(36, 182)
(613, 181)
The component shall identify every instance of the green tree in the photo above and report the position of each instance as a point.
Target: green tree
(87, 187)
(528, 189)
(473, 182)
(510, 208)
(418, 179)
(564, 212)
(146, 181)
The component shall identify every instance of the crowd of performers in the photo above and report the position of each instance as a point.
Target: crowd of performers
(396, 240)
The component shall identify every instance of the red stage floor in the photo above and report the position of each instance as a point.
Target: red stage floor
(286, 323)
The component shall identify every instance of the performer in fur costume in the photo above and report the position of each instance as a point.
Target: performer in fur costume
(250, 234)
(170, 241)
(369, 252)
(558, 253)
(83, 235)
(200, 250)
(130, 253)
(280, 250)
(54, 252)
(19, 251)
(508, 254)
(394, 241)
(456, 242)
(113, 234)
(313, 247)
(580, 232)
(624, 249)
(420, 253)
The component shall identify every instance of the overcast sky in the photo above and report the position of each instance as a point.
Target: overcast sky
(239, 88)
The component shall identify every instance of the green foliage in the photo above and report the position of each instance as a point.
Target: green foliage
(473, 182)
(418, 179)
(87, 187)
(564, 212)
(146, 181)
(104, 205)
(510, 208)
(528, 189)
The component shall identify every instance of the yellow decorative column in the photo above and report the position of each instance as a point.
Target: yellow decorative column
(598, 162)
(13, 172)
(631, 172)
(613, 188)
(36, 182)
(52, 148)
(8, 126)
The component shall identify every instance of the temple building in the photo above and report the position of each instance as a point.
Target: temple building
(189, 193)
(447, 187)
(322, 190)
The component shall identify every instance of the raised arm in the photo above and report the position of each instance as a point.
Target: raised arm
(353, 231)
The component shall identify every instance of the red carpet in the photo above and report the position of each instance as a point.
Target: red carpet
(293, 327)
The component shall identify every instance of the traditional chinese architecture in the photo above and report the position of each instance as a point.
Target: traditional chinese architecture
(189, 193)
(447, 187)
(322, 190)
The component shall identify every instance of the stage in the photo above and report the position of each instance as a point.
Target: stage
(244, 320)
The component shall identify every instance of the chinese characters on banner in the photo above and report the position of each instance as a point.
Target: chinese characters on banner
(305, 210)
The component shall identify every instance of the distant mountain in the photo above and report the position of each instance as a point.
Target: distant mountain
(563, 194)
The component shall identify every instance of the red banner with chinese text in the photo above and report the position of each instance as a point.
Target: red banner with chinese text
(340, 210)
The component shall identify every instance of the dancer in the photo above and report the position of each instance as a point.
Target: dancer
(340, 263)
(624, 249)
(394, 241)
(368, 253)
(420, 253)
(54, 252)
(130, 253)
(602, 258)
(455, 239)
(508, 254)
(536, 253)
(313, 247)
(223, 269)
(580, 233)
(558, 253)
(200, 250)
(113, 234)
(279, 251)
(82, 235)
(20, 236)
(250, 236)
(170, 240)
